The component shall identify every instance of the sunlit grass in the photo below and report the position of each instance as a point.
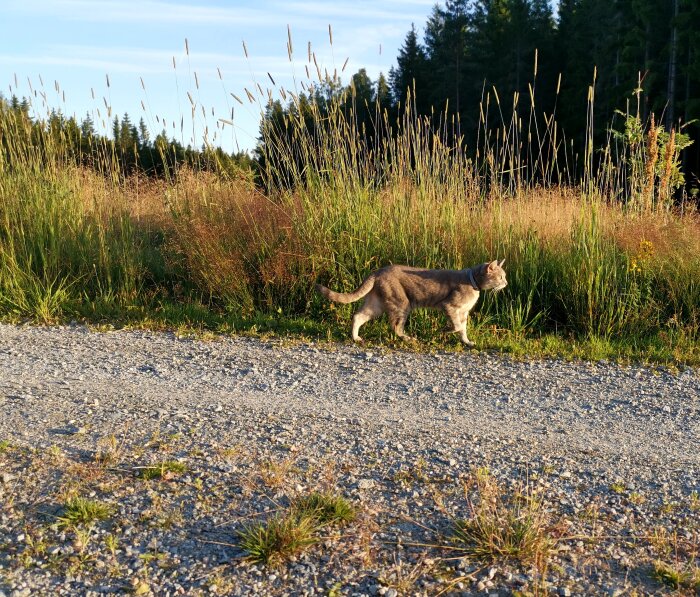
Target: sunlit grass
(599, 265)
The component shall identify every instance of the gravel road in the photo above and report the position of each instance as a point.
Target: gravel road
(579, 429)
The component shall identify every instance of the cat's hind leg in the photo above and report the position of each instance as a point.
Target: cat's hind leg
(398, 317)
(370, 309)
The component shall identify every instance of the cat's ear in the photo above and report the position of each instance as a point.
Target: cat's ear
(493, 265)
(502, 262)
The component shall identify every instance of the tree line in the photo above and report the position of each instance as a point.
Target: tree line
(586, 67)
(632, 56)
(130, 148)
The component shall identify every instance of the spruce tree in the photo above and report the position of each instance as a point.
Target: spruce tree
(410, 71)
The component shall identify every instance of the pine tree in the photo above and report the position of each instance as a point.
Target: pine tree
(362, 98)
(382, 92)
(410, 71)
(143, 134)
(447, 44)
(87, 126)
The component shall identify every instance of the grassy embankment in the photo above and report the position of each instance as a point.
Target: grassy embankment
(602, 267)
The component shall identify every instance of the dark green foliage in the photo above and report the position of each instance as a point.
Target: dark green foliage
(637, 56)
(129, 150)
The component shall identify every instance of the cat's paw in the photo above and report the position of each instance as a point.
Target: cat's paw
(469, 343)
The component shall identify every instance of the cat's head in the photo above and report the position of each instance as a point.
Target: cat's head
(493, 276)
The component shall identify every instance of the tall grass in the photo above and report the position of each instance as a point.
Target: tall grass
(601, 256)
(65, 235)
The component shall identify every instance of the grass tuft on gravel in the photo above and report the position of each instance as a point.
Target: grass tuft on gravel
(325, 508)
(676, 577)
(278, 539)
(503, 526)
(285, 535)
(78, 510)
(162, 470)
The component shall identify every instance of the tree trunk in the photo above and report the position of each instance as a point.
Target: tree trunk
(671, 92)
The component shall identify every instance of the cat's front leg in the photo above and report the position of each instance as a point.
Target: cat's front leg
(465, 339)
(459, 318)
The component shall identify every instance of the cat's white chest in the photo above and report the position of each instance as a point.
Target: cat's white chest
(467, 305)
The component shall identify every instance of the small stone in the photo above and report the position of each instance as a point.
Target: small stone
(365, 484)
(391, 592)
(7, 477)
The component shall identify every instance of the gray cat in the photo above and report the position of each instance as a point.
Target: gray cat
(398, 289)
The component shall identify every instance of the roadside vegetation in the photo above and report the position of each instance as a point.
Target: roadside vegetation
(602, 250)
(428, 534)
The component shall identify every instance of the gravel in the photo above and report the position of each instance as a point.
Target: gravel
(612, 451)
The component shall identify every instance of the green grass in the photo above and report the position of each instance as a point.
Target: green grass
(161, 470)
(325, 508)
(677, 578)
(78, 510)
(278, 539)
(618, 487)
(595, 271)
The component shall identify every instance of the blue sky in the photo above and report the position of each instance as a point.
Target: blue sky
(80, 45)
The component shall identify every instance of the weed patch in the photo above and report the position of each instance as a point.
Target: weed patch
(503, 526)
(164, 470)
(278, 539)
(83, 511)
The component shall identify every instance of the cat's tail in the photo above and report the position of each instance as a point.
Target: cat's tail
(349, 297)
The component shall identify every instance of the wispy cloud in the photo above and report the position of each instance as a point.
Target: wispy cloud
(303, 13)
(149, 12)
(150, 61)
(80, 41)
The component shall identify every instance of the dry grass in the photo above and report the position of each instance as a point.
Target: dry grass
(213, 250)
(505, 525)
(348, 542)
